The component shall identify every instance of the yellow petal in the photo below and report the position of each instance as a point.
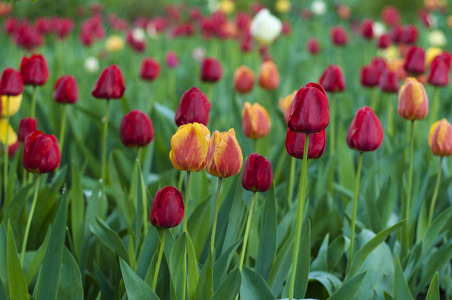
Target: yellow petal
(7, 133)
(11, 105)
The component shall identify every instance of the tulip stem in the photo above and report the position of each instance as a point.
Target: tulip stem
(104, 146)
(390, 118)
(435, 105)
(33, 102)
(406, 207)
(435, 193)
(63, 127)
(332, 123)
(30, 217)
(215, 216)
(143, 197)
(374, 103)
(181, 180)
(187, 194)
(291, 180)
(5, 166)
(247, 231)
(159, 260)
(301, 202)
(255, 145)
(355, 206)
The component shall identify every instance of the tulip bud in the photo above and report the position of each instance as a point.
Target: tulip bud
(415, 61)
(384, 41)
(243, 80)
(439, 70)
(390, 16)
(313, 46)
(310, 109)
(10, 105)
(136, 129)
(369, 76)
(379, 63)
(265, 27)
(211, 70)
(189, 147)
(34, 70)
(256, 121)
(367, 30)
(171, 59)
(66, 90)
(194, 107)
(11, 83)
(332, 79)
(338, 36)
(409, 35)
(268, 76)
(225, 157)
(41, 153)
(6, 127)
(413, 101)
(150, 69)
(257, 174)
(295, 144)
(389, 83)
(365, 133)
(167, 210)
(440, 138)
(27, 126)
(110, 84)
(285, 105)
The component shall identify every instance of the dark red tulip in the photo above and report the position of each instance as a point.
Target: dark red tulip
(62, 27)
(110, 84)
(295, 144)
(41, 153)
(367, 30)
(167, 210)
(150, 69)
(408, 35)
(28, 37)
(365, 133)
(313, 46)
(26, 126)
(257, 174)
(136, 129)
(43, 25)
(211, 70)
(389, 82)
(11, 83)
(138, 45)
(415, 61)
(332, 79)
(390, 16)
(310, 109)
(11, 25)
(439, 70)
(338, 36)
(370, 76)
(379, 63)
(384, 41)
(66, 90)
(193, 107)
(34, 70)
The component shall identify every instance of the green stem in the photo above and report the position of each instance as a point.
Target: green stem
(30, 217)
(291, 180)
(187, 195)
(301, 202)
(33, 102)
(215, 216)
(255, 145)
(435, 193)
(332, 123)
(143, 197)
(247, 231)
(390, 117)
(5, 166)
(181, 180)
(159, 260)
(104, 146)
(374, 103)
(63, 127)
(355, 205)
(435, 105)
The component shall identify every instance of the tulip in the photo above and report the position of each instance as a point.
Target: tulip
(313, 46)
(415, 61)
(409, 35)
(367, 31)
(431, 53)
(283, 6)
(384, 41)
(413, 101)
(265, 27)
(389, 82)
(41, 153)
(285, 105)
(34, 70)
(150, 69)
(194, 107)
(62, 27)
(332, 79)
(257, 175)
(338, 36)
(295, 144)
(211, 70)
(243, 80)
(7, 134)
(114, 43)
(390, 16)
(66, 90)
(439, 70)
(171, 59)
(11, 83)
(91, 64)
(318, 7)
(369, 76)
(136, 39)
(437, 38)
(136, 129)
(167, 210)
(256, 121)
(27, 126)
(110, 84)
(269, 76)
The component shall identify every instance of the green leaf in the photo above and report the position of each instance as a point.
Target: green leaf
(230, 287)
(2, 292)
(221, 266)
(136, 288)
(433, 290)
(176, 262)
(281, 265)
(109, 238)
(304, 259)
(233, 229)
(400, 286)
(3, 255)
(335, 251)
(105, 286)
(204, 290)
(387, 296)
(70, 284)
(16, 206)
(320, 263)
(77, 211)
(199, 226)
(349, 289)
(330, 282)
(254, 286)
(36, 261)
(18, 288)
(192, 269)
(434, 230)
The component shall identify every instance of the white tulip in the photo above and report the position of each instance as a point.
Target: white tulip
(265, 27)
(318, 7)
(379, 29)
(437, 38)
(138, 34)
(91, 64)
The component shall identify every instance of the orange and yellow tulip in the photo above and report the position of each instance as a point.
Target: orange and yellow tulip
(225, 156)
(255, 121)
(440, 138)
(413, 101)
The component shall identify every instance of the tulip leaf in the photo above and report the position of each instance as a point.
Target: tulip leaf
(349, 289)
(176, 262)
(435, 228)
(221, 266)
(387, 296)
(204, 290)
(400, 286)
(304, 261)
(3, 255)
(230, 287)
(108, 238)
(17, 284)
(16, 206)
(433, 290)
(70, 284)
(36, 261)
(193, 269)
(281, 265)
(336, 250)
(254, 286)
(330, 282)
(136, 288)
(77, 210)
(235, 216)
(104, 285)
(2, 292)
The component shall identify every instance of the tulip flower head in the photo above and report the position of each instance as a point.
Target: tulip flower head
(256, 121)
(295, 144)
(389, 83)
(269, 76)
(440, 138)
(370, 76)
(150, 69)
(41, 153)
(12, 149)
(431, 54)
(34, 70)
(390, 16)
(167, 210)
(171, 59)
(10, 105)
(318, 7)
(211, 70)
(365, 132)
(114, 43)
(439, 70)
(66, 90)
(110, 84)
(313, 46)
(11, 83)
(384, 41)
(367, 30)
(225, 157)
(265, 27)
(27, 126)
(91, 64)
(257, 174)
(285, 105)
(338, 36)
(415, 61)
(413, 101)
(5, 128)
(136, 129)
(332, 79)
(194, 107)
(243, 80)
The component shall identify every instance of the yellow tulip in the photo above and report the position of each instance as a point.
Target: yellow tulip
(431, 53)
(5, 127)
(227, 7)
(114, 43)
(11, 107)
(283, 6)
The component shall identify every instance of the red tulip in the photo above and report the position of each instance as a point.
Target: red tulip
(43, 25)
(138, 45)
(257, 174)
(211, 70)
(66, 90)
(41, 153)
(389, 83)
(150, 69)
(415, 61)
(12, 149)
(34, 70)
(408, 35)
(338, 36)
(194, 106)
(11, 83)
(62, 27)
(310, 109)
(28, 37)
(243, 80)
(367, 30)
(110, 84)
(370, 76)
(171, 59)
(365, 133)
(439, 70)
(295, 144)
(390, 16)
(167, 210)
(313, 46)
(286, 28)
(379, 63)
(384, 41)
(136, 129)
(26, 126)
(332, 79)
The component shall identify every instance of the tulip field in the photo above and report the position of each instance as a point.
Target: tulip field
(226, 150)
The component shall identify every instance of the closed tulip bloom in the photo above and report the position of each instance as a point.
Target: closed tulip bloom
(194, 107)
(332, 79)
(295, 144)
(171, 59)
(10, 105)
(189, 147)
(269, 76)
(6, 127)
(150, 69)
(11, 83)
(310, 109)
(136, 129)
(66, 90)
(110, 84)
(313, 46)
(167, 210)
(390, 16)
(225, 157)
(265, 27)
(243, 80)
(439, 70)
(257, 174)
(440, 138)
(34, 70)
(408, 35)
(369, 76)
(389, 83)
(41, 153)
(384, 41)
(256, 121)
(367, 30)
(211, 70)
(413, 101)
(415, 61)
(365, 133)
(379, 63)
(27, 126)
(338, 36)
(285, 105)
